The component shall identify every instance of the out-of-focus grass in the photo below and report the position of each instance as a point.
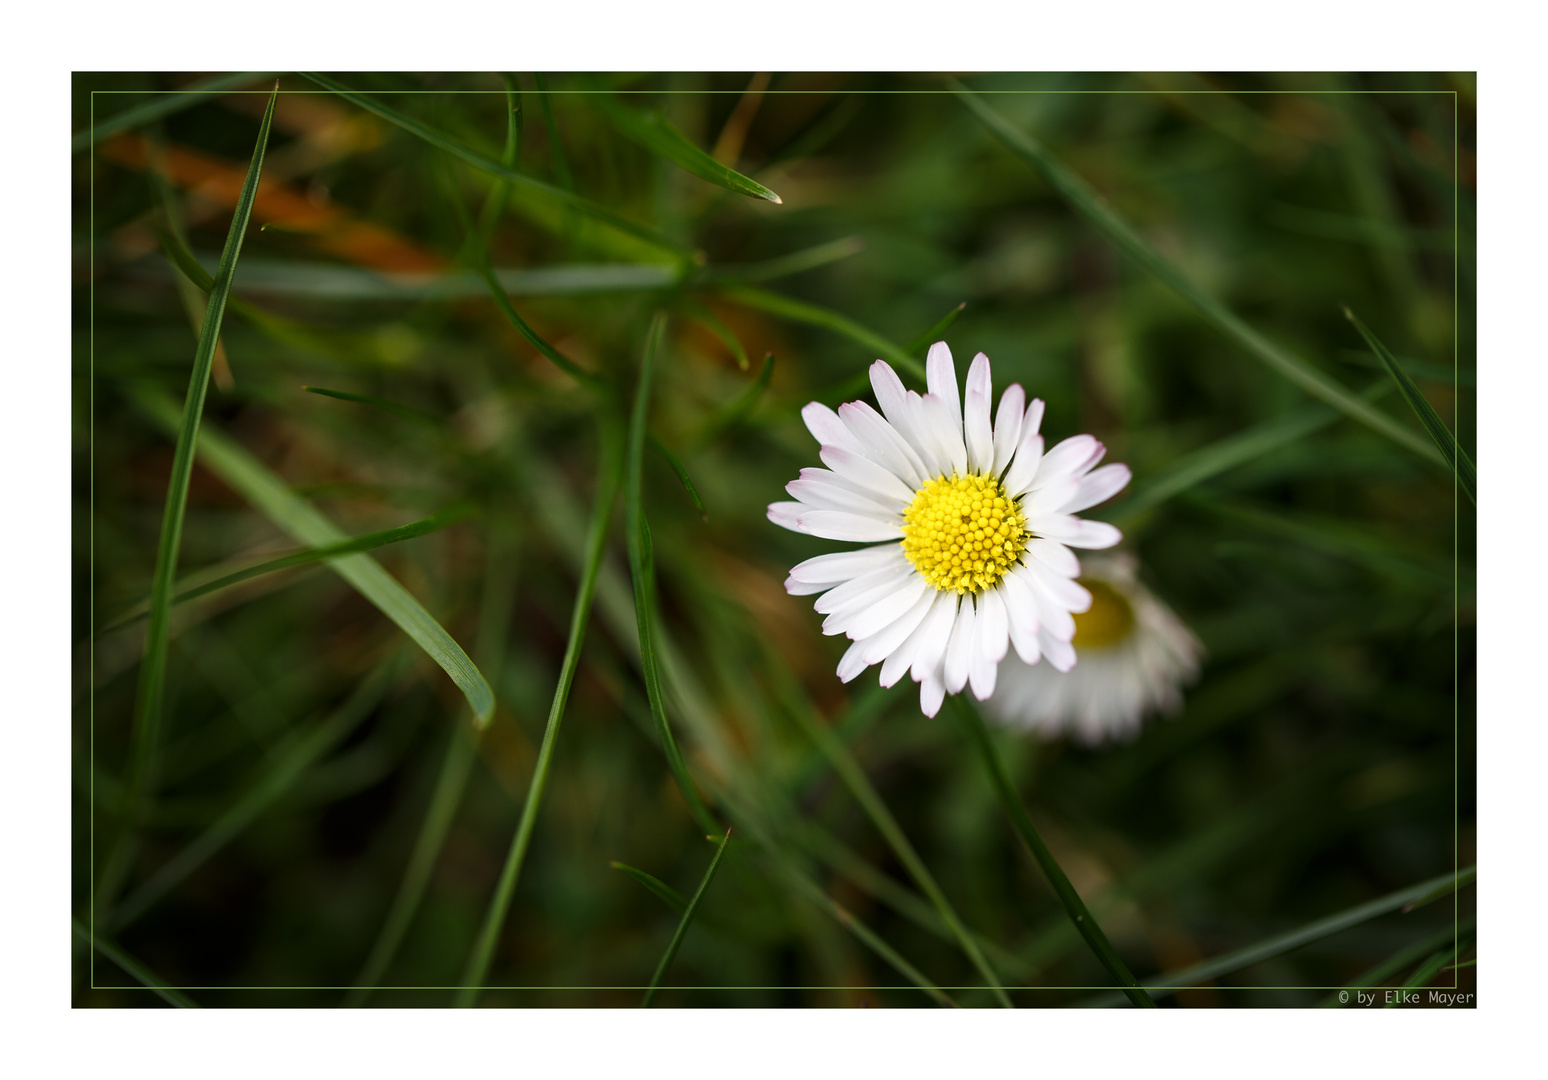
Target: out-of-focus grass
(308, 797)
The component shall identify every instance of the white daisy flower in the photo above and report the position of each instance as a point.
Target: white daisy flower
(1134, 653)
(977, 521)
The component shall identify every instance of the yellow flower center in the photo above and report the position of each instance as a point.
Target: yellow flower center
(1109, 620)
(963, 533)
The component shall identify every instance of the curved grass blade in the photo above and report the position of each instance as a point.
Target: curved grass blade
(1074, 906)
(735, 411)
(854, 778)
(503, 302)
(1200, 465)
(133, 967)
(1431, 968)
(164, 103)
(274, 778)
(682, 473)
(1456, 458)
(1395, 963)
(652, 131)
(671, 896)
(682, 926)
(1094, 209)
(1163, 985)
(712, 322)
(405, 411)
(294, 515)
(495, 606)
(642, 569)
(932, 335)
(444, 142)
(365, 542)
(149, 692)
(812, 315)
(797, 262)
(609, 469)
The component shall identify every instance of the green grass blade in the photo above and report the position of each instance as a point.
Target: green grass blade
(936, 332)
(1095, 209)
(682, 473)
(855, 779)
(1227, 453)
(133, 967)
(682, 926)
(1433, 372)
(642, 569)
(609, 469)
(671, 896)
(652, 131)
(150, 690)
(274, 778)
(503, 302)
(797, 262)
(164, 103)
(495, 607)
(735, 411)
(712, 322)
(446, 143)
(1431, 967)
(555, 146)
(1445, 441)
(1074, 906)
(269, 495)
(1163, 985)
(1398, 961)
(187, 589)
(1463, 878)
(404, 411)
(812, 315)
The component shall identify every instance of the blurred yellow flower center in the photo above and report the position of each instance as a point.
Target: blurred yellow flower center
(1107, 622)
(963, 533)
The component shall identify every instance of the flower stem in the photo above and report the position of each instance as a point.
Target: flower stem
(1073, 904)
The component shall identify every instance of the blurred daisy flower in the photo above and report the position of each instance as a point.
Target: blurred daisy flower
(972, 526)
(1134, 654)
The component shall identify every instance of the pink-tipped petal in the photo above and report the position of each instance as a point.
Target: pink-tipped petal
(1098, 487)
(931, 693)
(838, 525)
(1007, 426)
(858, 469)
(827, 428)
(941, 378)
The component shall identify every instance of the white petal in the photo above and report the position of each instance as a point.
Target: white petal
(1053, 555)
(1061, 654)
(931, 442)
(959, 650)
(1075, 456)
(890, 394)
(981, 670)
(1097, 487)
(1052, 616)
(1007, 426)
(821, 495)
(931, 693)
(856, 587)
(833, 479)
(840, 566)
(945, 427)
(1034, 419)
(886, 611)
(902, 658)
(941, 377)
(827, 428)
(882, 644)
(837, 525)
(784, 514)
(932, 647)
(882, 442)
(1021, 609)
(976, 429)
(1066, 593)
(993, 626)
(851, 664)
(1024, 465)
(865, 472)
(1048, 498)
(806, 588)
(853, 610)
(1077, 533)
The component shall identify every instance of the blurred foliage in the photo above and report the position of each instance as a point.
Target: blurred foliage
(1325, 758)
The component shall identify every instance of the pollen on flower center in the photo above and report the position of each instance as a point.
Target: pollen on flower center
(963, 533)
